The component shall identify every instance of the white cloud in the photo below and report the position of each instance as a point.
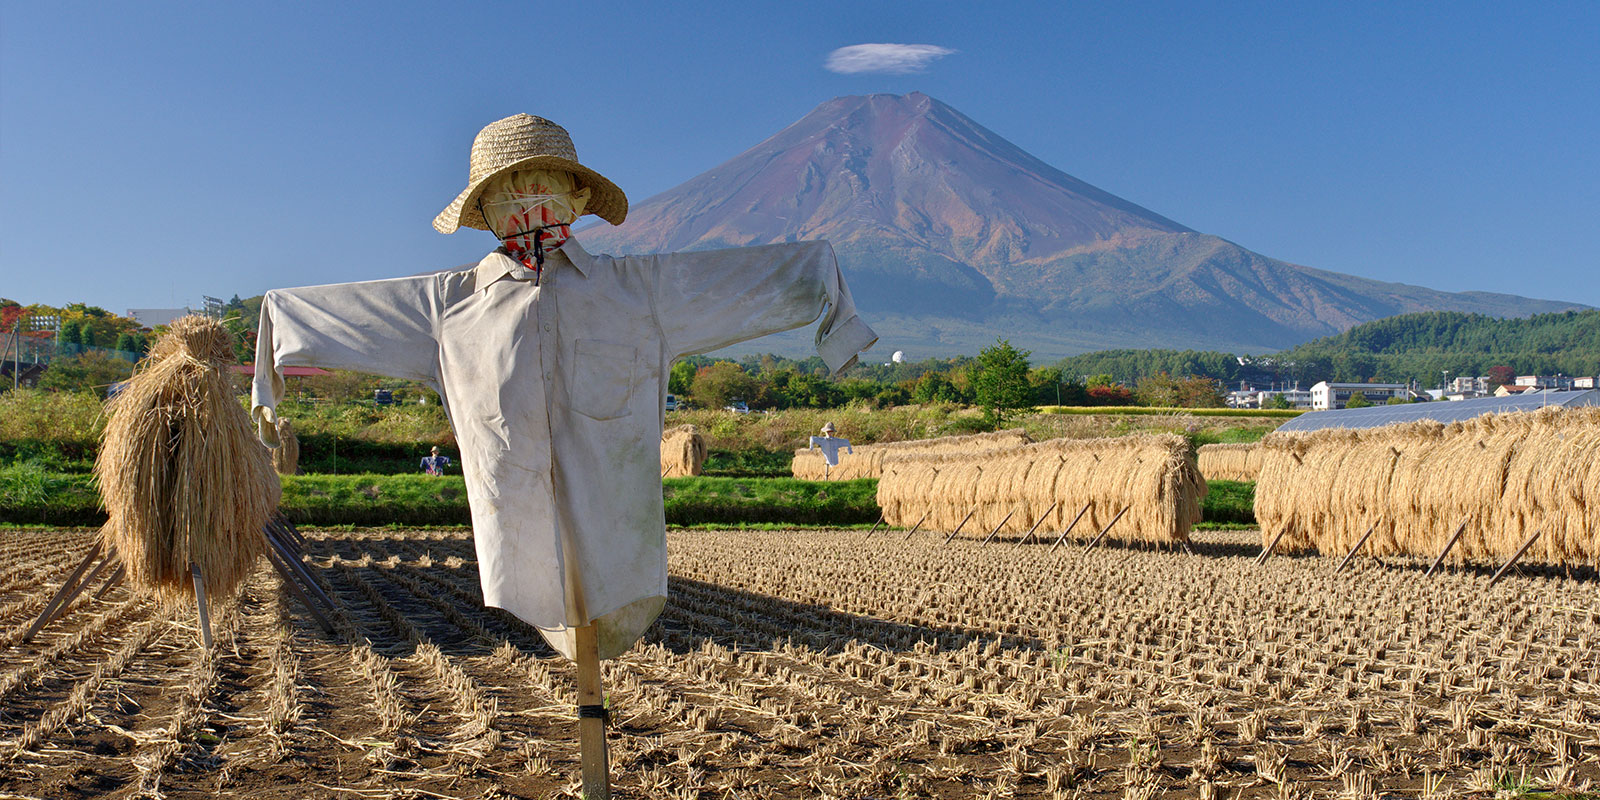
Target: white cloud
(894, 58)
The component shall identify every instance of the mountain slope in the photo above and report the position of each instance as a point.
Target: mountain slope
(950, 236)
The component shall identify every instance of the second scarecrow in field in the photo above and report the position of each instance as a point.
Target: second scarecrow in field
(552, 363)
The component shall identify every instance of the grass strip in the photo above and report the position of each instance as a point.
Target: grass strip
(1275, 413)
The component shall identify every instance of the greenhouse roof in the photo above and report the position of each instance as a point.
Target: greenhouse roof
(1440, 410)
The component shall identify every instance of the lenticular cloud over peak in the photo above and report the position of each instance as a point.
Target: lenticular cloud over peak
(894, 58)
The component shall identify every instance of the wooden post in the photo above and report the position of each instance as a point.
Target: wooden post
(67, 587)
(1500, 573)
(592, 717)
(83, 584)
(111, 582)
(1063, 536)
(876, 524)
(998, 527)
(1029, 535)
(299, 568)
(963, 524)
(916, 526)
(1357, 548)
(1447, 546)
(1106, 529)
(1273, 545)
(280, 563)
(200, 603)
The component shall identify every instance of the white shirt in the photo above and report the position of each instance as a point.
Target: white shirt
(829, 445)
(555, 392)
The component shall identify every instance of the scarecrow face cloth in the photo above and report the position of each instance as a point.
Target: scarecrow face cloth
(554, 380)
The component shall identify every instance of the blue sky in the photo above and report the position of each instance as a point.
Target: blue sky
(152, 153)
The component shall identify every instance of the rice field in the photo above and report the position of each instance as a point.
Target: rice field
(820, 663)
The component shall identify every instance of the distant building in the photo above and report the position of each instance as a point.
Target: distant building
(151, 317)
(1469, 386)
(1326, 396)
(1298, 398)
(1561, 382)
(1585, 383)
(1511, 389)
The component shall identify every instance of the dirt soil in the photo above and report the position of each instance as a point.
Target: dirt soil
(794, 664)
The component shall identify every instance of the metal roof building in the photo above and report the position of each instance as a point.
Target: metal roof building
(1440, 410)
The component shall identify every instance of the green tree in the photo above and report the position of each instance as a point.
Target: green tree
(1358, 400)
(724, 381)
(1277, 401)
(935, 387)
(71, 333)
(92, 371)
(681, 378)
(1000, 381)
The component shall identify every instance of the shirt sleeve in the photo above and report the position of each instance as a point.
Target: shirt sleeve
(381, 327)
(715, 298)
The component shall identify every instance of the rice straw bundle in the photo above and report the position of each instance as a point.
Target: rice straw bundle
(683, 452)
(1152, 476)
(181, 474)
(1230, 462)
(1508, 475)
(867, 460)
(286, 457)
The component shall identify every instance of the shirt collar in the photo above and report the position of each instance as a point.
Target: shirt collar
(498, 265)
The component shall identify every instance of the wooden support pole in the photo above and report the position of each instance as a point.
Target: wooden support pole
(280, 563)
(201, 604)
(1500, 573)
(82, 585)
(1447, 546)
(592, 717)
(67, 586)
(111, 582)
(299, 568)
(1029, 535)
(1273, 545)
(1357, 548)
(876, 524)
(998, 527)
(963, 524)
(1063, 536)
(1106, 529)
(916, 526)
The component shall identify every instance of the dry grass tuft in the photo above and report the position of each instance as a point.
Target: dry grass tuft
(1152, 476)
(1507, 475)
(181, 473)
(867, 461)
(1230, 462)
(683, 452)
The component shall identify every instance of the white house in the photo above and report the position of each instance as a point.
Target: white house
(1325, 395)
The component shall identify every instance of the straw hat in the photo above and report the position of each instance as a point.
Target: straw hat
(523, 141)
(827, 427)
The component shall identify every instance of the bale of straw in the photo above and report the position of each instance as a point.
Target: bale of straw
(1153, 476)
(1230, 462)
(1507, 475)
(181, 473)
(286, 457)
(868, 460)
(683, 452)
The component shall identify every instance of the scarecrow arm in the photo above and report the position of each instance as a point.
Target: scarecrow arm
(381, 327)
(711, 299)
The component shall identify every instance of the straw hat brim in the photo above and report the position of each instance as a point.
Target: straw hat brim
(606, 200)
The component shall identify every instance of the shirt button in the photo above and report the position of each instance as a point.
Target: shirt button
(547, 326)
(547, 376)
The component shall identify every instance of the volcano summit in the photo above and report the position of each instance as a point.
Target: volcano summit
(950, 236)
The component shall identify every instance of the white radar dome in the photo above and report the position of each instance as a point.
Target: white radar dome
(898, 357)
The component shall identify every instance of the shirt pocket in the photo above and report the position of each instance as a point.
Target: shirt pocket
(602, 378)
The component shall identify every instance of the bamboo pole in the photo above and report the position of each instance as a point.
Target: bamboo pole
(1357, 548)
(1063, 536)
(200, 603)
(998, 527)
(111, 582)
(1273, 545)
(1447, 546)
(67, 586)
(82, 585)
(280, 563)
(960, 526)
(1500, 573)
(914, 528)
(1029, 535)
(1106, 529)
(592, 717)
(875, 525)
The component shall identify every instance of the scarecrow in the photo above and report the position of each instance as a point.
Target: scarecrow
(552, 363)
(830, 446)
